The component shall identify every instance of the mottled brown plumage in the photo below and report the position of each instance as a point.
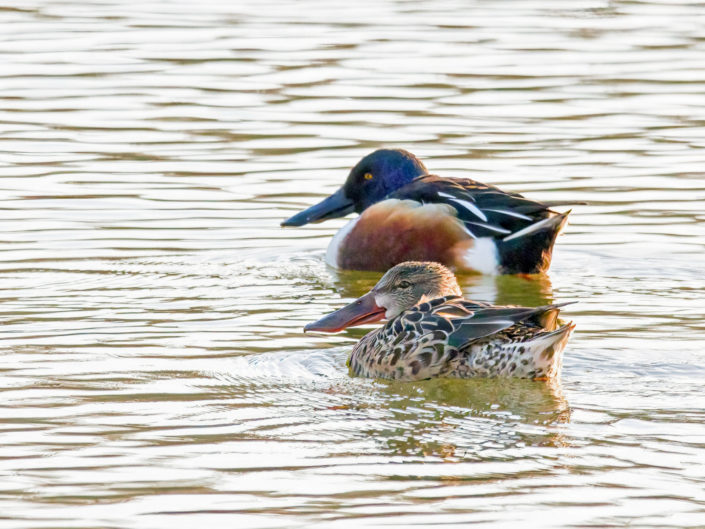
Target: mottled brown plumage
(433, 332)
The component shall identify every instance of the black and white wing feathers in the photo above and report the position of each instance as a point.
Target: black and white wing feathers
(485, 210)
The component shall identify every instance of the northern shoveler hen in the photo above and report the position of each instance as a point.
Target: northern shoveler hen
(407, 214)
(433, 332)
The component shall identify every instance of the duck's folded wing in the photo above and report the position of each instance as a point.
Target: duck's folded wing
(485, 322)
(485, 210)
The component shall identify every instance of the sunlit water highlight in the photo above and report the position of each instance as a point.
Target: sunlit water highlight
(153, 369)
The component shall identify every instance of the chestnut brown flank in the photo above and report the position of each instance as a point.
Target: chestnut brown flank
(394, 231)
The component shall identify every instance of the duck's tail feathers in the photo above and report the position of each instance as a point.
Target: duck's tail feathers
(548, 318)
(561, 334)
(555, 223)
(548, 349)
(528, 251)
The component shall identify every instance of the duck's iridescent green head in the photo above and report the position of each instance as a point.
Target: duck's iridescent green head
(371, 180)
(403, 286)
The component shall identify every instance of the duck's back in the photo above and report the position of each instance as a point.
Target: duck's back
(458, 222)
(522, 351)
(453, 337)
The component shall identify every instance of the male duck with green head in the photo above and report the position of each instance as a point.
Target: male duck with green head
(406, 214)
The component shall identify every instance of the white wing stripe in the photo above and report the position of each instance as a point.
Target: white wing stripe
(490, 227)
(485, 322)
(446, 195)
(467, 230)
(529, 229)
(511, 213)
(472, 208)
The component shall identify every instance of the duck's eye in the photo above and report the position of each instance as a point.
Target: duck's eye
(404, 284)
(368, 176)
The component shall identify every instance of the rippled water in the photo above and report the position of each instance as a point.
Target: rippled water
(153, 369)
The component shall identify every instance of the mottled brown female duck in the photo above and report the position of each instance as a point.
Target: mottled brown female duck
(433, 332)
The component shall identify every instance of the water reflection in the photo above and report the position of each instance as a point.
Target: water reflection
(353, 283)
(152, 356)
(529, 290)
(462, 418)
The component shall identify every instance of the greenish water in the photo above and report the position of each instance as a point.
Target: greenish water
(153, 368)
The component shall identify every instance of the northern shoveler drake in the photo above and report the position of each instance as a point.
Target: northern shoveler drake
(407, 214)
(433, 332)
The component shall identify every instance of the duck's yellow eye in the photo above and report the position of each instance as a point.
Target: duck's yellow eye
(368, 176)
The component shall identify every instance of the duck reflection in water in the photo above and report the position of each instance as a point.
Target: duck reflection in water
(465, 419)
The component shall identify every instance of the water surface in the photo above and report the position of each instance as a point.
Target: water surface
(153, 368)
